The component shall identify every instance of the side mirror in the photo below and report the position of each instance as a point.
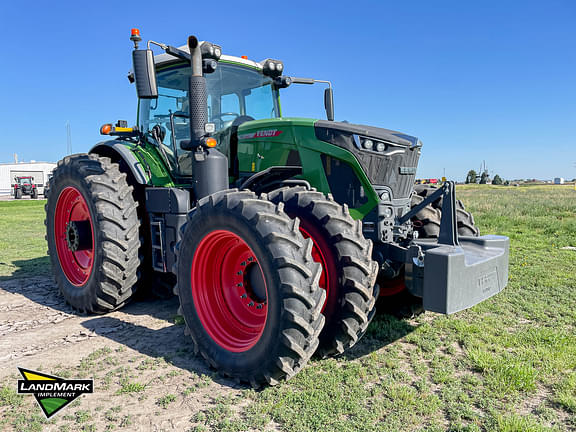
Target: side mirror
(329, 103)
(145, 74)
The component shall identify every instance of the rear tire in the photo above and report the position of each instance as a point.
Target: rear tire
(95, 263)
(427, 220)
(348, 271)
(34, 194)
(151, 283)
(248, 288)
(17, 193)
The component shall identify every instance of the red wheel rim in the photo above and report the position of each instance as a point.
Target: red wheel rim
(76, 263)
(390, 287)
(229, 291)
(319, 255)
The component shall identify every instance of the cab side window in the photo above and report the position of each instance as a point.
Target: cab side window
(170, 114)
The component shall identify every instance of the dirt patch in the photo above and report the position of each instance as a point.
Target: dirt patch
(146, 376)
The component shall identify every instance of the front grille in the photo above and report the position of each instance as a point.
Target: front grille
(386, 171)
(397, 171)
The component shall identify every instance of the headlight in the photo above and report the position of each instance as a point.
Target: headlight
(385, 196)
(272, 68)
(211, 51)
(369, 144)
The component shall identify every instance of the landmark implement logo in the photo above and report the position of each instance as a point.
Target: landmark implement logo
(51, 392)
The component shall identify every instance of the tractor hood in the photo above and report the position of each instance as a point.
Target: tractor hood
(388, 158)
(386, 135)
(389, 164)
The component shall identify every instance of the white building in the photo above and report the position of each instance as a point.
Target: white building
(37, 170)
(559, 180)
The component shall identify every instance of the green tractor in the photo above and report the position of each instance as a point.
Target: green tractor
(277, 234)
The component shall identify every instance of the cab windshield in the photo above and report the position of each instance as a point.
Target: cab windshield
(235, 94)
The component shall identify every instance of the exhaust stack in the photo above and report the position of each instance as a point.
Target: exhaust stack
(197, 96)
(209, 166)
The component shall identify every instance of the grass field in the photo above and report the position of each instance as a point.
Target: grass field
(22, 244)
(508, 364)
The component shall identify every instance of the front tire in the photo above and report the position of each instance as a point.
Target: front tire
(348, 271)
(92, 233)
(17, 193)
(248, 288)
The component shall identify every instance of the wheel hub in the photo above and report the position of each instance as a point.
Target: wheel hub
(78, 235)
(254, 283)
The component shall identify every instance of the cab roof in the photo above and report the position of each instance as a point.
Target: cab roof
(164, 58)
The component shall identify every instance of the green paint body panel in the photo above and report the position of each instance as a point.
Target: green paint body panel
(297, 134)
(258, 153)
(148, 156)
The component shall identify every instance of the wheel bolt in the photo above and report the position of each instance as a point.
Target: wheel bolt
(259, 306)
(243, 295)
(243, 263)
(240, 284)
(251, 259)
(251, 304)
(239, 273)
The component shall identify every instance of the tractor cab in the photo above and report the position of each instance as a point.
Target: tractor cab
(237, 92)
(22, 181)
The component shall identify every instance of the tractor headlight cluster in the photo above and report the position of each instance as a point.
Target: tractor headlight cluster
(370, 144)
(211, 51)
(272, 68)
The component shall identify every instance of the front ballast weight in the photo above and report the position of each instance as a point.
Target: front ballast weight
(453, 272)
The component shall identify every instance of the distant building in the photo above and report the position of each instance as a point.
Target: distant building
(37, 170)
(559, 180)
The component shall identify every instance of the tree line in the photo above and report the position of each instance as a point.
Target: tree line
(473, 177)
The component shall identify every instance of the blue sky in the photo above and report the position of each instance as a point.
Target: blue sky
(490, 80)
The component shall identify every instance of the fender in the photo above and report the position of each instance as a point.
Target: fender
(117, 150)
(273, 178)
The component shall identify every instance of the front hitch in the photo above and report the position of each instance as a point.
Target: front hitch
(448, 225)
(454, 273)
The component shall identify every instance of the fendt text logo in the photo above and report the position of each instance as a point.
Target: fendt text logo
(51, 392)
(269, 133)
